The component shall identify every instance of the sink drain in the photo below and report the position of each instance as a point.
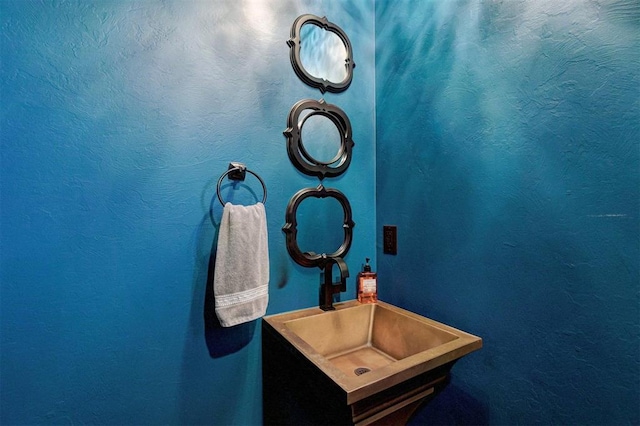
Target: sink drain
(361, 370)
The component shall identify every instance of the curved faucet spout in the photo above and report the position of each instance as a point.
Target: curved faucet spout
(344, 269)
(329, 288)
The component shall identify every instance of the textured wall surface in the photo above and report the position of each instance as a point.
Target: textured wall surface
(507, 155)
(509, 133)
(117, 118)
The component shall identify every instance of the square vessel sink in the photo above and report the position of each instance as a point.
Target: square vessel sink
(367, 348)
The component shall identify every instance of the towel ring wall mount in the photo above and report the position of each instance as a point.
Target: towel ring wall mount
(238, 172)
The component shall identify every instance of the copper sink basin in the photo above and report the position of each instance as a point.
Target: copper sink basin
(367, 348)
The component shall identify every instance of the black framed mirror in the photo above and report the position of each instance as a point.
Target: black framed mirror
(310, 258)
(321, 54)
(319, 139)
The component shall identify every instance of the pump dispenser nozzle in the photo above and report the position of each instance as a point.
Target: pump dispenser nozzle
(367, 267)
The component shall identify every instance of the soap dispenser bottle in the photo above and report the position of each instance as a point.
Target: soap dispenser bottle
(367, 285)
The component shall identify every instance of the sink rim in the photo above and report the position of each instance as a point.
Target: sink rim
(376, 380)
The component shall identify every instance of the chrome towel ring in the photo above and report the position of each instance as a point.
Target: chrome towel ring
(238, 171)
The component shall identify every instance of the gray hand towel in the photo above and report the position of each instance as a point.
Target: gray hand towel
(241, 277)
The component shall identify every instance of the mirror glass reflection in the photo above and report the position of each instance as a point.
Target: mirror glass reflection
(320, 139)
(322, 53)
(320, 223)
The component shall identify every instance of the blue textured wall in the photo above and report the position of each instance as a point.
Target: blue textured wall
(508, 156)
(117, 118)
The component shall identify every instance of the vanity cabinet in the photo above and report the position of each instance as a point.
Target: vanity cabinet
(295, 392)
(306, 379)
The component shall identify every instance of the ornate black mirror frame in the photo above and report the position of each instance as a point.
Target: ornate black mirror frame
(295, 148)
(311, 259)
(295, 43)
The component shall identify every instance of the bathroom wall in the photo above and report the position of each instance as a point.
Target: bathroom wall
(508, 157)
(117, 118)
(509, 132)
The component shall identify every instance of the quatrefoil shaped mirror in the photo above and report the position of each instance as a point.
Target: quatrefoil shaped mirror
(321, 54)
(319, 138)
(309, 258)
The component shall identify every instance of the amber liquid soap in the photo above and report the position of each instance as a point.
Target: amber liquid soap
(367, 285)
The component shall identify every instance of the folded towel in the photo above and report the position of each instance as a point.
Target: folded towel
(241, 277)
